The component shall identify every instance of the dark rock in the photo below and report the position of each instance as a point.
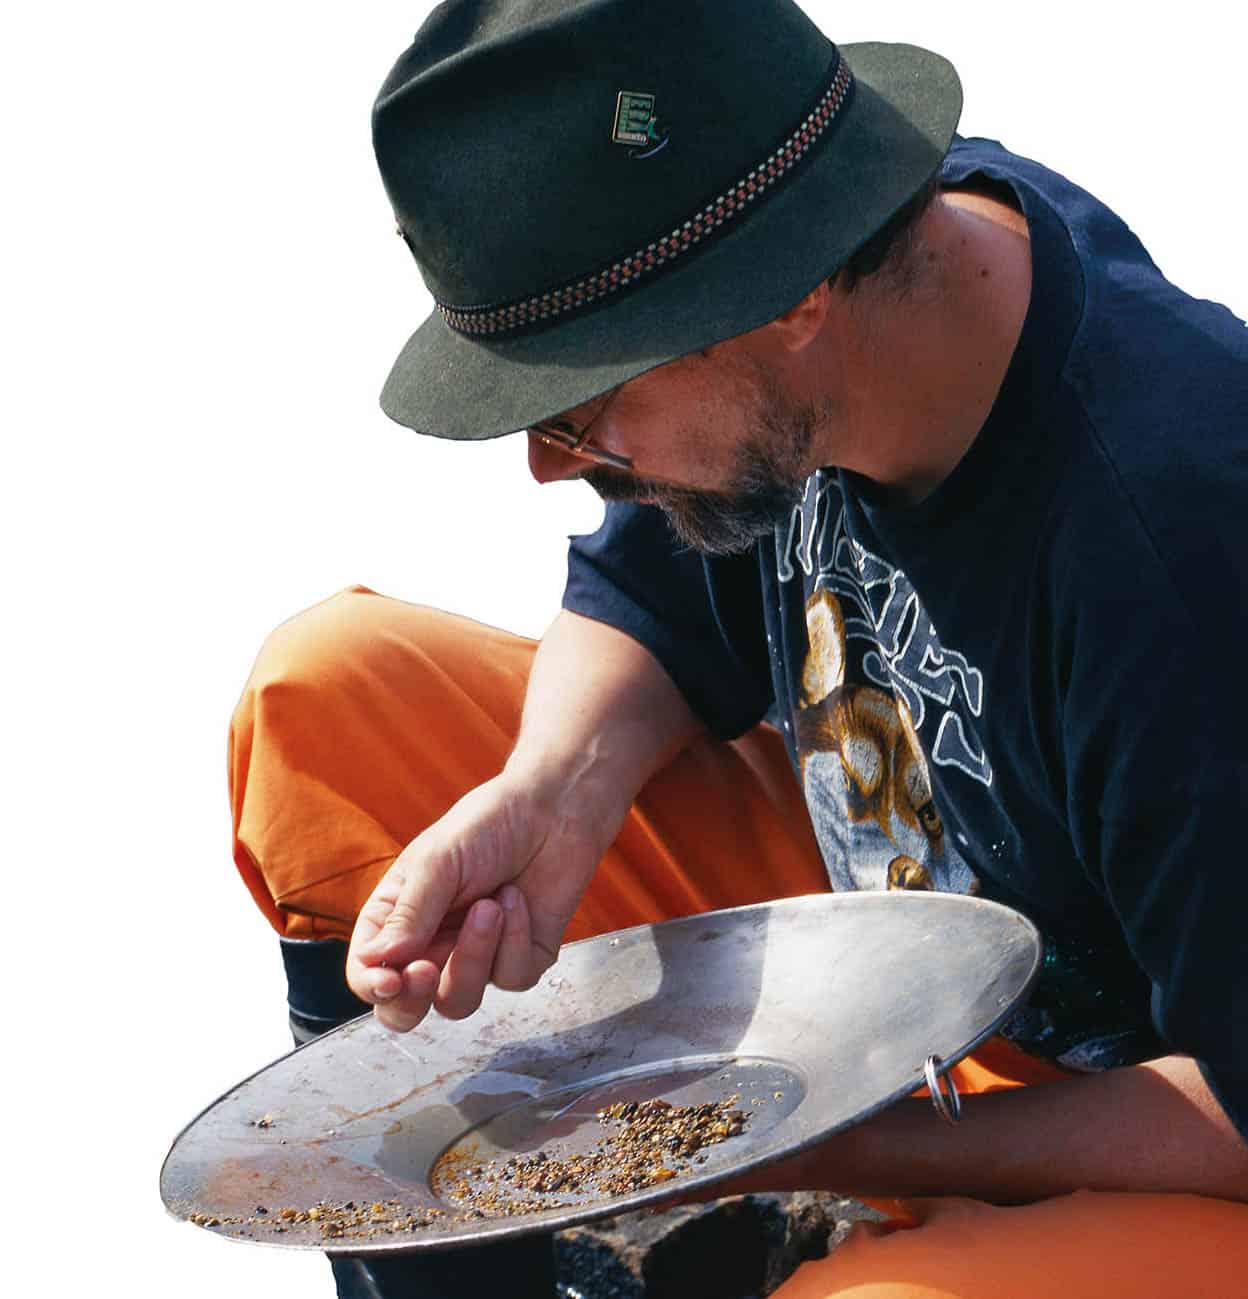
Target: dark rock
(739, 1248)
(588, 1267)
(720, 1251)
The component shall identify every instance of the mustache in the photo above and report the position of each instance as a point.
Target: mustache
(614, 484)
(617, 485)
(714, 523)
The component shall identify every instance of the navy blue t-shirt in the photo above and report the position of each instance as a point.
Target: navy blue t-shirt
(1027, 686)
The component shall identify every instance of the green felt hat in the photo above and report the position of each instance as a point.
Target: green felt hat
(592, 188)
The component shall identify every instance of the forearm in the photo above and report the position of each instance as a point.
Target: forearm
(600, 717)
(1151, 1127)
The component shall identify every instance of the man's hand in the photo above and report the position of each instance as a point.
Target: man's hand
(482, 896)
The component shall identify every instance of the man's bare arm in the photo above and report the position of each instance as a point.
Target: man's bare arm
(485, 894)
(1150, 1127)
(601, 716)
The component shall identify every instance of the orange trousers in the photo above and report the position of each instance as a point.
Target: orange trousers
(366, 718)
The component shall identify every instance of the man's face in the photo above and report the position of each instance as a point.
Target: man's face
(715, 442)
(763, 490)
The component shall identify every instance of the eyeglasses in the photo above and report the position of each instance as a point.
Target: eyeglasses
(559, 433)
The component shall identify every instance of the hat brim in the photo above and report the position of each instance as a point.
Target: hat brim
(895, 131)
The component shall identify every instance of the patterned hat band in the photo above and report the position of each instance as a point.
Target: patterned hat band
(710, 221)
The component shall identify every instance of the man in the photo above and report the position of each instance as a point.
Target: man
(948, 484)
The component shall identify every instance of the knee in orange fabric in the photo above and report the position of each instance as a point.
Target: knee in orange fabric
(363, 721)
(314, 646)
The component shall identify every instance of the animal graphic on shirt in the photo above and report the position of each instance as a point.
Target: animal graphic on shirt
(864, 774)
(906, 873)
(893, 643)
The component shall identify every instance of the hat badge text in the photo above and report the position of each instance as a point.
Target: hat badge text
(636, 124)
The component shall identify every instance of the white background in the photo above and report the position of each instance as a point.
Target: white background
(201, 293)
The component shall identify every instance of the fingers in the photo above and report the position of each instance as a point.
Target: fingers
(417, 985)
(397, 925)
(491, 945)
(402, 972)
(380, 985)
(463, 857)
(518, 963)
(367, 977)
(447, 918)
(402, 996)
(471, 962)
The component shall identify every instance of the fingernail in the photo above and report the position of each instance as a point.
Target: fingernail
(509, 897)
(483, 919)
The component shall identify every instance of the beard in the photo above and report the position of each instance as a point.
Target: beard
(769, 477)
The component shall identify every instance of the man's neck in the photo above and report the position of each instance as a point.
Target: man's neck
(922, 362)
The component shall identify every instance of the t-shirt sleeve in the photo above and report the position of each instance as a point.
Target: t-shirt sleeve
(1156, 740)
(634, 575)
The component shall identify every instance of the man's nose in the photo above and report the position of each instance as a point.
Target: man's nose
(552, 464)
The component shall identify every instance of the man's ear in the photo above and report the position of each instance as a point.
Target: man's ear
(801, 324)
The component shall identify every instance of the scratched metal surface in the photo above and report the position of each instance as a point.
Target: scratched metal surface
(815, 1011)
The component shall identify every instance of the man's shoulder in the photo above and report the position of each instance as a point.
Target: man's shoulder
(1161, 376)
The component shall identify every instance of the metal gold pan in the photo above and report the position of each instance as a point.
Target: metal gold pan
(815, 1012)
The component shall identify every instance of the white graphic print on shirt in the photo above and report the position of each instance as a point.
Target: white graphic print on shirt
(874, 678)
